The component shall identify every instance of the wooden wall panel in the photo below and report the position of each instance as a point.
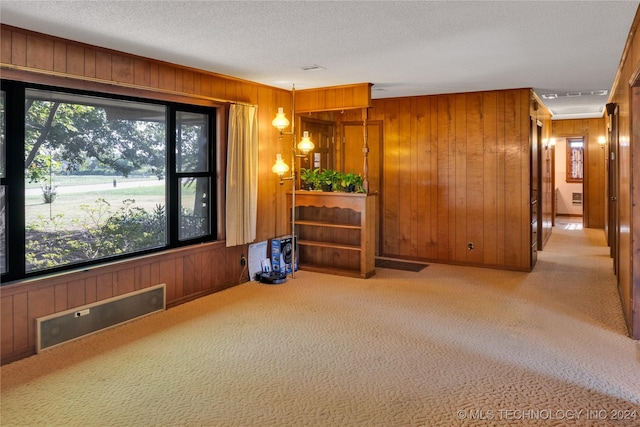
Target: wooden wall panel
(39, 53)
(125, 281)
(89, 62)
(75, 60)
(489, 161)
(91, 289)
(76, 293)
(334, 98)
(18, 49)
(406, 187)
(475, 179)
(60, 294)
(104, 286)
(446, 189)
(421, 197)
(6, 327)
(464, 160)
(5, 44)
(60, 58)
(460, 179)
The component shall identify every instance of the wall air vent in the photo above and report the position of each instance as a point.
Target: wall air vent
(69, 325)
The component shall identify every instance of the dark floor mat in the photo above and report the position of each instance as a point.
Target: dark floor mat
(400, 265)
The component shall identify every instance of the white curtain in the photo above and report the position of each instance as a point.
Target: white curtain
(242, 175)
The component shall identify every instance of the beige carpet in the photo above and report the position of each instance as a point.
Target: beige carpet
(446, 346)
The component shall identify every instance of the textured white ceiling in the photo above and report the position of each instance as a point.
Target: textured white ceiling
(403, 47)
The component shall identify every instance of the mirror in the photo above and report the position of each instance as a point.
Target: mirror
(322, 131)
(339, 138)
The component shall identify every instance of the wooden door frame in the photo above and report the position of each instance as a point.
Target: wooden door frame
(634, 117)
(612, 186)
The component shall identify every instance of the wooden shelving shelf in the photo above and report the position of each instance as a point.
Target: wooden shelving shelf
(328, 245)
(327, 224)
(335, 232)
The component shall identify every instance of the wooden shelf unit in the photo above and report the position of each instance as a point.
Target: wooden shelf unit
(336, 232)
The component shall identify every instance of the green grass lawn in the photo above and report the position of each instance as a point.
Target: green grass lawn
(68, 180)
(69, 204)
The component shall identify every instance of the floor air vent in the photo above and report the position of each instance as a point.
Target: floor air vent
(68, 325)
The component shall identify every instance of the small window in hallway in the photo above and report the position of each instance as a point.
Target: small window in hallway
(575, 159)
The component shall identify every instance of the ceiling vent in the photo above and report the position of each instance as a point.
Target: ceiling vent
(575, 94)
(312, 67)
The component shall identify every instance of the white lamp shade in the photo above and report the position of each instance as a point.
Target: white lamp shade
(281, 120)
(305, 145)
(280, 167)
(602, 140)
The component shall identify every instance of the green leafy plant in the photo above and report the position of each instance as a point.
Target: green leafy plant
(329, 180)
(102, 232)
(310, 178)
(351, 182)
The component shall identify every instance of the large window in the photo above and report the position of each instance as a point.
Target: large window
(104, 178)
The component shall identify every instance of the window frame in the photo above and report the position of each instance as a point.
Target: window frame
(15, 178)
(575, 171)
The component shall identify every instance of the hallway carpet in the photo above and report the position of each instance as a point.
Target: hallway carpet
(446, 346)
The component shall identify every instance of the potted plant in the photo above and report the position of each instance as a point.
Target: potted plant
(309, 178)
(328, 180)
(351, 182)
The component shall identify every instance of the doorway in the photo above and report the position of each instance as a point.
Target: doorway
(569, 176)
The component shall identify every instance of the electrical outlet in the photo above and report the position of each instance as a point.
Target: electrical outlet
(470, 246)
(82, 312)
(243, 260)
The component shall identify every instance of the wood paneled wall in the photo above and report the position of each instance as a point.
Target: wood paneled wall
(190, 272)
(456, 171)
(628, 178)
(594, 163)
